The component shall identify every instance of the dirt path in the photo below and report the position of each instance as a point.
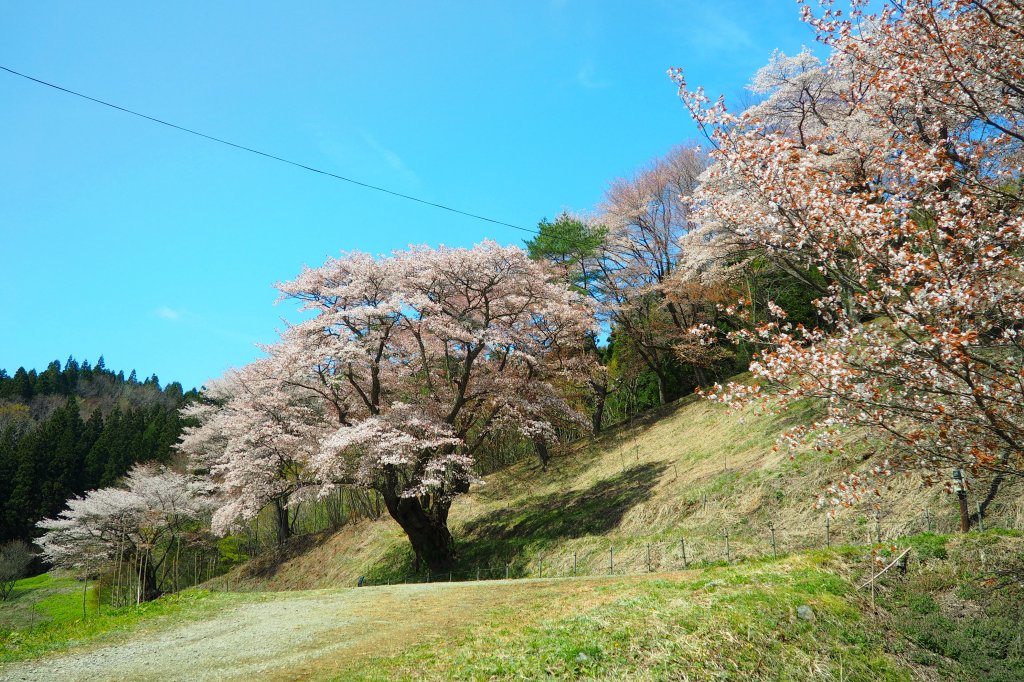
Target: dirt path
(308, 635)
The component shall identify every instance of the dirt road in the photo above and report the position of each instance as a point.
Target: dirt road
(305, 635)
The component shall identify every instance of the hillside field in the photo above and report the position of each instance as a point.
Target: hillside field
(691, 473)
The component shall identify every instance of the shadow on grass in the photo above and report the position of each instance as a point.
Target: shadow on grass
(506, 539)
(569, 460)
(571, 514)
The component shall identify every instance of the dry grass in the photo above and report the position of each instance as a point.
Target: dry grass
(643, 483)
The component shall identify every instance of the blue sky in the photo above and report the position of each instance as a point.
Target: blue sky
(159, 250)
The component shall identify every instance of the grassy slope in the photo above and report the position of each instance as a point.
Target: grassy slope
(955, 614)
(636, 485)
(645, 484)
(42, 599)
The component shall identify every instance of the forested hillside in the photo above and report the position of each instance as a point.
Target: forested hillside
(76, 427)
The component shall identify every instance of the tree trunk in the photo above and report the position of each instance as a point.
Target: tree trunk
(661, 387)
(600, 395)
(542, 452)
(148, 591)
(993, 489)
(284, 530)
(426, 528)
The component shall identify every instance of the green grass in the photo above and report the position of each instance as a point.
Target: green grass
(49, 597)
(737, 622)
(66, 629)
(963, 606)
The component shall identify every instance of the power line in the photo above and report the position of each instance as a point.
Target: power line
(274, 157)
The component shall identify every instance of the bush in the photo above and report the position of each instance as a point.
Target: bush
(929, 546)
(15, 558)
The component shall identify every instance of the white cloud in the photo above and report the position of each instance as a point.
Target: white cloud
(168, 313)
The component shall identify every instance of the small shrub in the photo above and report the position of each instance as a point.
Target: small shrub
(15, 558)
(929, 546)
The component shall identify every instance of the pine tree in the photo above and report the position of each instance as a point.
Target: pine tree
(21, 386)
(8, 468)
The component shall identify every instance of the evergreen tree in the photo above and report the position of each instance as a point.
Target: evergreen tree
(21, 386)
(46, 460)
(8, 468)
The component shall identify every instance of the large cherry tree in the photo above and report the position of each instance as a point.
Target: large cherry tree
(893, 170)
(403, 369)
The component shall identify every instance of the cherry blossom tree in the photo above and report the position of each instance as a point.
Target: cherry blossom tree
(412, 361)
(127, 526)
(894, 171)
(253, 434)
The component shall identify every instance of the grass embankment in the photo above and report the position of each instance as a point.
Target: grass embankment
(50, 597)
(692, 471)
(956, 613)
(961, 605)
(793, 618)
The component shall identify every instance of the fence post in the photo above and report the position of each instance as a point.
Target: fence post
(648, 557)
(541, 568)
(775, 551)
(705, 507)
(828, 532)
(676, 470)
(682, 544)
(611, 560)
(506, 571)
(478, 572)
(428, 575)
(927, 520)
(878, 526)
(728, 552)
(574, 563)
(981, 523)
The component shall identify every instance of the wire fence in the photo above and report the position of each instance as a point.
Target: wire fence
(637, 555)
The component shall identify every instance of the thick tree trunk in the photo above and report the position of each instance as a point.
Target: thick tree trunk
(284, 529)
(426, 528)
